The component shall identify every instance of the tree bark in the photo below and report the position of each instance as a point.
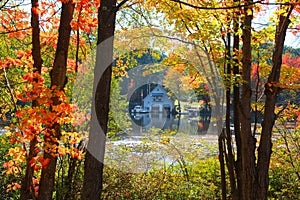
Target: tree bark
(93, 165)
(271, 91)
(222, 164)
(27, 187)
(229, 157)
(236, 106)
(248, 142)
(58, 79)
(73, 162)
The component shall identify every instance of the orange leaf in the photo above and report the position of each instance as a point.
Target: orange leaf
(35, 11)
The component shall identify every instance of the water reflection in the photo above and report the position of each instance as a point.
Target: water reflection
(193, 124)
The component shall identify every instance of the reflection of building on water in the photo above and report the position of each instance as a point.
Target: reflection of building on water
(145, 121)
(180, 123)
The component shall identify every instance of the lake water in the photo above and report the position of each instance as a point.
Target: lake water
(189, 124)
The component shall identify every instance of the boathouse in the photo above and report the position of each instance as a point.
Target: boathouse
(158, 100)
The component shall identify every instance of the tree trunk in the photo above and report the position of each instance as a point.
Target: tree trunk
(59, 79)
(236, 105)
(27, 187)
(73, 162)
(229, 156)
(222, 164)
(236, 111)
(271, 91)
(248, 142)
(93, 165)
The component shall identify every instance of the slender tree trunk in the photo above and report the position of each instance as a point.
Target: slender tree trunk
(236, 105)
(93, 165)
(59, 79)
(229, 157)
(69, 180)
(248, 142)
(27, 187)
(221, 140)
(271, 91)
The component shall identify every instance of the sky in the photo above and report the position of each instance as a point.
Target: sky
(259, 22)
(290, 40)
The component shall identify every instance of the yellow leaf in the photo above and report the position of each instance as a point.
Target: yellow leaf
(249, 11)
(8, 133)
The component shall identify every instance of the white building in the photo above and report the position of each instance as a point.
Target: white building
(158, 100)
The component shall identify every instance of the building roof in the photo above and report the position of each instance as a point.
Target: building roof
(157, 94)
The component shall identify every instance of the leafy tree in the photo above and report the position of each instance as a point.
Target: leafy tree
(37, 129)
(247, 172)
(39, 67)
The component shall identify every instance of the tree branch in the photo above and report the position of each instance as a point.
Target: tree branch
(121, 4)
(231, 7)
(14, 31)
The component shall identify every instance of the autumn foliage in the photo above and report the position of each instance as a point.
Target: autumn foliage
(44, 127)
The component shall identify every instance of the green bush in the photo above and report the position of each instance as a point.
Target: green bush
(191, 177)
(285, 166)
(203, 183)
